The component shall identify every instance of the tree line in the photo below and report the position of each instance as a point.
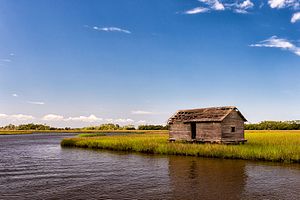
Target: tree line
(274, 125)
(127, 127)
(30, 126)
(108, 126)
(264, 125)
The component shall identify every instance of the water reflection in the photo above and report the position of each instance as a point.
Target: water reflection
(196, 178)
(272, 181)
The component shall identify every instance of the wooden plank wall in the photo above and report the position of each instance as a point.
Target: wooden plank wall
(209, 131)
(233, 120)
(180, 131)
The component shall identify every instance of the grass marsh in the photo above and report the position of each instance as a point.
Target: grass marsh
(276, 146)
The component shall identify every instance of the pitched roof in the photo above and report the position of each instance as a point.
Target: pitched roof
(212, 114)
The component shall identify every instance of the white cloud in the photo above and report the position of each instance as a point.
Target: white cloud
(276, 3)
(295, 17)
(53, 117)
(243, 7)
(111, 29)
(141, 112)
(237, 6)
(91, 118)
(36, 102)
(60, 118)
(218, 6)
(141, 122)
(242, 11)
(19, 117)
(11, 54)
(123, 121)
(120, 120)
(284, 3)
(3, 116)
(275, 42)
(246, 4)
(196, 10)
(15, 95)
(109, 120)
(214, 4)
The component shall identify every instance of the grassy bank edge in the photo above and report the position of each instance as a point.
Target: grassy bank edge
(262, 146)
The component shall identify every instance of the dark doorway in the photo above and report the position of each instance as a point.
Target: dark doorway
(193, 130)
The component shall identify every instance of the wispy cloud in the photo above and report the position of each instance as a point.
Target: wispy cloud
(53, 117)
(15, 95)
(243, 7)
(112, 29)
(141, 122)
(5, 60)
(124, 120)
(275, 42)
(18, 117)
(196, 11)
(36, 102)
(284, 3)
(216, 5)
(60, 118)
(91, 118)
(120, 120)
(295, 17)
(141, 112)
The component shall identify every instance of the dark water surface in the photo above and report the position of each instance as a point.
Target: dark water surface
(36, 167)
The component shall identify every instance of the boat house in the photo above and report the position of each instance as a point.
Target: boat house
(214, 125)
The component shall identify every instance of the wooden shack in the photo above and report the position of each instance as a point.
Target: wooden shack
(214, 125)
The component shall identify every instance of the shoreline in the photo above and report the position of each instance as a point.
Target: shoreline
(274, 146)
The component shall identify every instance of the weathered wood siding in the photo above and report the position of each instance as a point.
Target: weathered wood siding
(180, 131)
(208, 131)
(233, 120)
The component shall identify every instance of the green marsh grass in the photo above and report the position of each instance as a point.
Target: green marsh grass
(14, 132)
(91, 134)
(276, 146)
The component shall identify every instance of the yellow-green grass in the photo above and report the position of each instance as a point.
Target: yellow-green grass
(277, 146)
(91, 134)
(15, 132)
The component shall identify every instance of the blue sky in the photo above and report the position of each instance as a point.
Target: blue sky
(81, 63)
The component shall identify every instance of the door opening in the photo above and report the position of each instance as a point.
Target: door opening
(193, 130)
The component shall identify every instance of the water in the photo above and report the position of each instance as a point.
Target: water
(36, 167)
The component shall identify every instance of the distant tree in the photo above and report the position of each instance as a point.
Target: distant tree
(32, 126)
(274, 125)
(128, 127)
(9, 127)
(104, 127)
(152, 127)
